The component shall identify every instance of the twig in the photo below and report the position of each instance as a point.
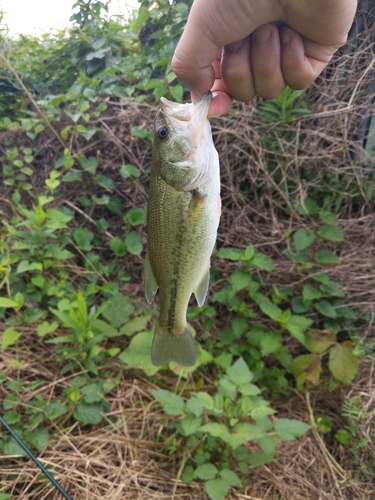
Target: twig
(74, 207)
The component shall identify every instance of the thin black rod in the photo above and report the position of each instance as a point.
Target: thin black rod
(35, 460)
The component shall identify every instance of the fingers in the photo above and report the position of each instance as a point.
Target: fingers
(302, 60)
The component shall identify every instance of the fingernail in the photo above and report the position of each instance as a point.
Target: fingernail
(286, 36)
(233, 47)
(263, 34)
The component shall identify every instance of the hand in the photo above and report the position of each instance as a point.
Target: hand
(235, 49)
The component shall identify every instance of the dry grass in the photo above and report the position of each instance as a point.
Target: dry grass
(127, 460)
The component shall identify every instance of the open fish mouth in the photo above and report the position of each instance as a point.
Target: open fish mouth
(189, 112)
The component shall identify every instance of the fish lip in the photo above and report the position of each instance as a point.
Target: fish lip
(197, 112)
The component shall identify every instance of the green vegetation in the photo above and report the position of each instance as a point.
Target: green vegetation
(63, 272)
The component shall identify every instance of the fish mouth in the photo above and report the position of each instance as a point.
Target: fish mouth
(195, 114)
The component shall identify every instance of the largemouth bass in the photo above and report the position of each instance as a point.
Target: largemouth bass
(182, 218)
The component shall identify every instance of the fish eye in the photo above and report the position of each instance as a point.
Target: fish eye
(163, 133)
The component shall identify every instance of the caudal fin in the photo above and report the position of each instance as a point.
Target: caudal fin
(178, 348)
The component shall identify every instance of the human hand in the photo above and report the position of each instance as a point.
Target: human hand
(234, 47)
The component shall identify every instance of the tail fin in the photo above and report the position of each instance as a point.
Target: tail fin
(178, 348)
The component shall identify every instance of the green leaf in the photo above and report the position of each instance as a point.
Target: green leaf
(5, 496)
(137, 355)
(118, 310)
(12, 417)
(297, 326)
(5, 302)
(206, 400)
(342, 363)
(326, 257)
(240, 279)
(195, 407)
(56, 409)
(135, 325)
(127, 171)
(118, 246)
(248, 431)
(106, 182)
(214, 429)
(257, 459)
(40, 439)
(331, 233)
(189, 424)
(83, 238)
(10, 336)
(239, 372)
(143, 15)
(327, 217)
(303, 239)
(93, 393)
(88, 413)
(318, 341)
(229, 253)
(188, 475)
(343, 437)
(230, 477)
(177, 92)
(45, 328)
(25, 266)
(289, 429)
(310, 293)
(90, 164)
(172, 403)
(206, 471)
(136, 216)
(267, 307)
(13, 448)
(133, 243)
(306, 368)
(326, 309)
(216, 489)
(262, 261)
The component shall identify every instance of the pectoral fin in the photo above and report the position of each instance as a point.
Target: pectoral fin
(151, 286)
(201, 291)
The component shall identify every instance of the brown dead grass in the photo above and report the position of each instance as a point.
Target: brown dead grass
(128, 461)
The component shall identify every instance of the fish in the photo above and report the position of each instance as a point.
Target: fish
(183, 214)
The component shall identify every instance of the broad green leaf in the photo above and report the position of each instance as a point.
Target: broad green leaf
(56, 409)
(118, 246)
(326, 309)
(331, 233)
(257, 459)
(5, 302)
(310, 293)
(249, 431)
(318, 341)
(133, 243)
(10, 336)
(230, 477)
(289, 429)
(206, 400)
(189, 425)
(143, 15)
(118, 310)
(303, 239)
(342, 363)
(194, 406)
(25, 266)
(216, 489)
(268, 308)
(188, 475)
(40, 439)
(240, 279)
(11, 447)
(239, 372)
(262, 261)
(306, 368)
(206, 471)
(127, 171)
(327, 217)
(326, 257)
(138, 354)
(231, 253)
(214, 429)
(343, 437)
(136, 216)
(172, 403)
(297, 326)
(12, 417)
(5, 496)
(45, 328)
(93, 393)
(135, 325)
(83, 238)
(90, 164)
(268, 443)
(88, 413)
